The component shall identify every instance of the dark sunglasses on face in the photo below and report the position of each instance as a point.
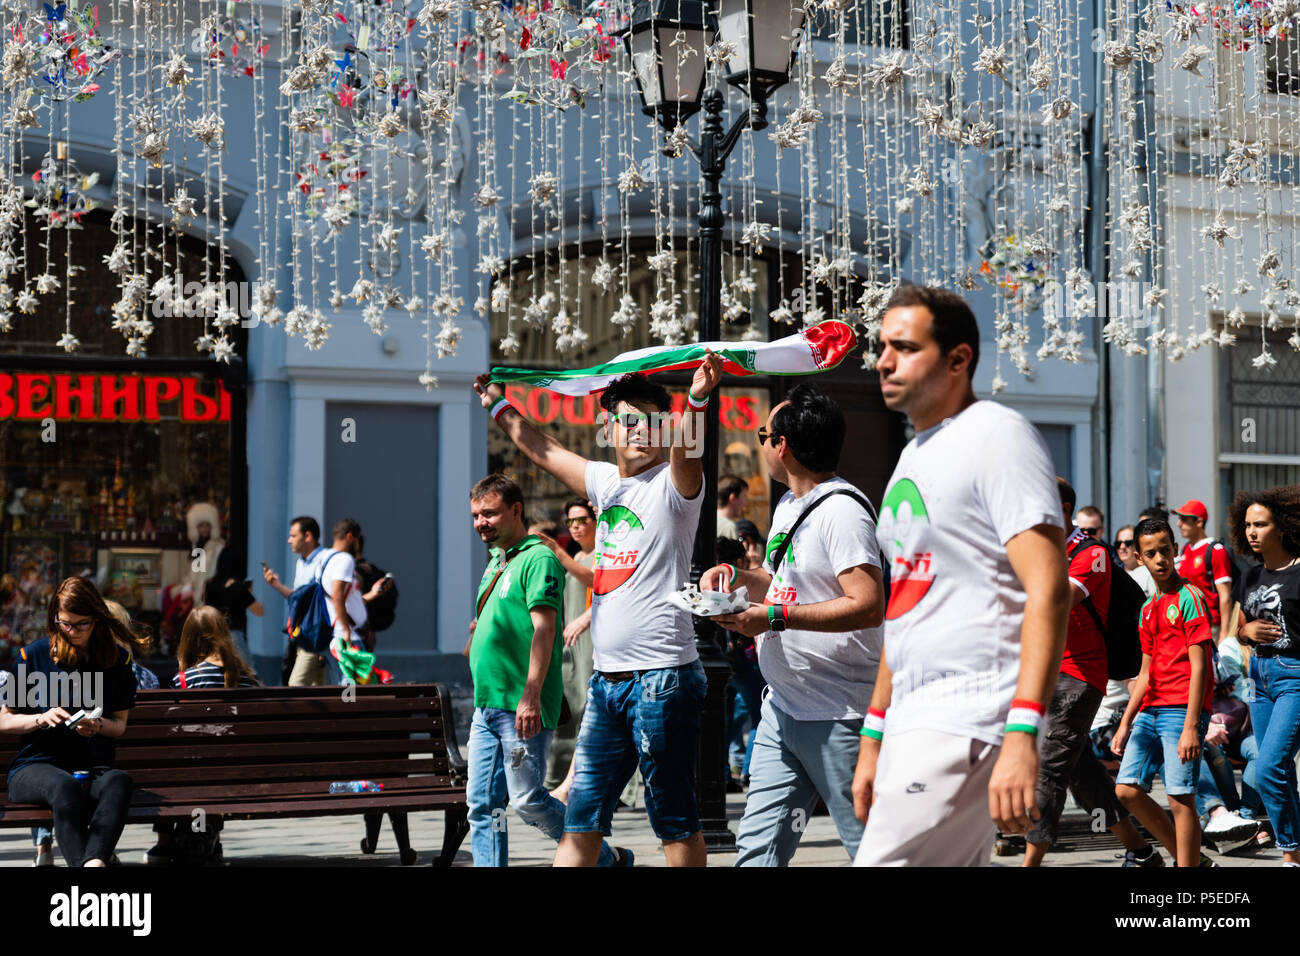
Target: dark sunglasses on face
(1124, 542)
(575, 522)
(1091, 532)
(630, 420)
(764, 435)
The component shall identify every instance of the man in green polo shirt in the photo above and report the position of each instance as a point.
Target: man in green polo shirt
(515, 662)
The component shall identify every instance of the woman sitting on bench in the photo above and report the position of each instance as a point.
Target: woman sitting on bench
(208, 659)
(85, 669)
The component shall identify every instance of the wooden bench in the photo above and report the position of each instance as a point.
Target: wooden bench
(261, 752)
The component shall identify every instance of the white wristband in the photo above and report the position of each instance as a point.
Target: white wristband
(697, 403)
(500, 406)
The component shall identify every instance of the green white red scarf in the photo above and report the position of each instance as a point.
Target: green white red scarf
(814, 349)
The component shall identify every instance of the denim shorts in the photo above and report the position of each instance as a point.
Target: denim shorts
(1153, 746)
(653, 721)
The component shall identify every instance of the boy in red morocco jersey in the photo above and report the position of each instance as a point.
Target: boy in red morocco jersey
(1066, 759)
(1167, 716)
(975, 624)
(647, 692)
(1204, 562)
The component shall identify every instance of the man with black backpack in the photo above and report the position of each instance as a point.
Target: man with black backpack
(1104, 604)
(378, 592)
(818, 632)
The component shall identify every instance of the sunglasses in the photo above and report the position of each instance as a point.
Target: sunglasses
(575, 522)
(1090, 531)
(631, 420)
(1124, 543)
(764, 435)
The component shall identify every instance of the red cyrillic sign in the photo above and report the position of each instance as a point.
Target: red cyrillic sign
(90, 397)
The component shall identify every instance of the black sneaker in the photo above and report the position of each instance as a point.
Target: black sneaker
(623, 856)
(1153, 858)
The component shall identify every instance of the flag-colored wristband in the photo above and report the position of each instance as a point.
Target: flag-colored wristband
(1025, 716)
(501, 405)
(697, 403)
(731, 570)
(874, 724)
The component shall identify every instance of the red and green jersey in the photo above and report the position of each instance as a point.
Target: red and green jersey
(1171, 625)
(1205, 564)
(1085, 648)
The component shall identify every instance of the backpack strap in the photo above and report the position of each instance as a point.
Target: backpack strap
(789, 537)
(1087, 598)
(325, 564)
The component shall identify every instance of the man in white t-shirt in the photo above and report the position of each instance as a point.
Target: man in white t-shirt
(818, 632)
(645, 697)
(346, 603)
(975, 626)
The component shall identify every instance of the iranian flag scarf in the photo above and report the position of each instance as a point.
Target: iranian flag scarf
(814, 349)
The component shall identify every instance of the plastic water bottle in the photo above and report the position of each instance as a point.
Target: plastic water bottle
(355, 786)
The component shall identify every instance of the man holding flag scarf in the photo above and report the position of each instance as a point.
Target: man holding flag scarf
(648, 689)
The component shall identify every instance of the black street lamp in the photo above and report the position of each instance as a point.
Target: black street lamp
(667, 40)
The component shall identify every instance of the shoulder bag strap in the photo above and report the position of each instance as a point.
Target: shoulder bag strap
(182, 679)
(789, 538)
(488, 593)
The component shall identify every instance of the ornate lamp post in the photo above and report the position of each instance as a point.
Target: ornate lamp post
(667, 40)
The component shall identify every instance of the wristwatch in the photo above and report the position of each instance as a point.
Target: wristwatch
(776, 620)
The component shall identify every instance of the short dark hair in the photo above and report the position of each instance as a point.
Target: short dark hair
(1151, 526)
(499, 484)
(1154, 512)
(952, 321)
(345, 527)
(729, 486)
(729, 551)
(306, 525)
(579, 503)
(635, 388)
(1066, 491)
(812, 424)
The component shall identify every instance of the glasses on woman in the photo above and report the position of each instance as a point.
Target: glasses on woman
(78, 626)
(1123, 543)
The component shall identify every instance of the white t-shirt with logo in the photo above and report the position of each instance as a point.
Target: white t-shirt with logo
(818, 675)
(339, 566)
(645, 531)
(960, 492)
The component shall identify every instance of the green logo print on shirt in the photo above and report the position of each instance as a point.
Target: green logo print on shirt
(903, 521)
(618, 548)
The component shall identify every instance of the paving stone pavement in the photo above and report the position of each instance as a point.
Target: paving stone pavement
(335, 841)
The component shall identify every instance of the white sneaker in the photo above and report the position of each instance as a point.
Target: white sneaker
(44, 859)
(1227, 827)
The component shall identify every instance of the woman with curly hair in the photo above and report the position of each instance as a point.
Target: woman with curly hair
(87, 654)
(1266, 525)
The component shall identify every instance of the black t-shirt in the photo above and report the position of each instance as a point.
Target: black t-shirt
(232, 601)
(1272, 596)
(62, 746)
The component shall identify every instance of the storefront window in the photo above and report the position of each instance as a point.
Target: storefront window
(122, 477)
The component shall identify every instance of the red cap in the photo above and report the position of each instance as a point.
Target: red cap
(1193, 509)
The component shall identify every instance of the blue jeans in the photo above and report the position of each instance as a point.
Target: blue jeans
(1152, 747)
(1217, 785)
(794, 762)
(501, 765)
(651, 719)
(1275, 716)
(749, 684)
